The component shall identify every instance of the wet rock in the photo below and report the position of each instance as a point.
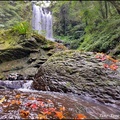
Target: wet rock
(2, 87)
(15, 76)
(6, 84)
(77, 72)
(31, 60)
(14, 53)
(30, 71)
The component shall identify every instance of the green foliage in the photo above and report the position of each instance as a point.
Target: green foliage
(12, 12)
(22, 28)
(104, 38)
(91, 25)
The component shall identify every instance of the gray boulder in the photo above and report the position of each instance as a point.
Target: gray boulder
(81, 73)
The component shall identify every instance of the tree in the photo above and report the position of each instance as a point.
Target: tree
(116, 4)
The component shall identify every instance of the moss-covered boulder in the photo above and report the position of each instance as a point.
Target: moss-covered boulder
(81, 73)
(24, 54)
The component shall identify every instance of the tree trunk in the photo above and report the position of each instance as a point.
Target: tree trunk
(106, 9)
(116, 4)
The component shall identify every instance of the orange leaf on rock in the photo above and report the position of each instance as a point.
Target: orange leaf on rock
(18, 96)
(113, 67)
(24, 114)
(80, 116)
(15, 102)
(62, 108)
(59, 114)
(110, 58)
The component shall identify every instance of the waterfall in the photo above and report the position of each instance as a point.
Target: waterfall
(42, 21)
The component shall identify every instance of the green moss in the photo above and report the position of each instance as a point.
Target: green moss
(39, 38)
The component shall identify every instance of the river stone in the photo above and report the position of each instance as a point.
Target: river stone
(78, 72)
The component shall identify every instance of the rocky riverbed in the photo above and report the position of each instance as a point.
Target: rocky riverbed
(24, 103)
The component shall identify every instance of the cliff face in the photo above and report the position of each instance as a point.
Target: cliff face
(12, 12)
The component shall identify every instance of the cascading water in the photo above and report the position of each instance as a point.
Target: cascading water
(42, 21)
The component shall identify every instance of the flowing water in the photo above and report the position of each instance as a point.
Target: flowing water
(73, 104)
(42, 21)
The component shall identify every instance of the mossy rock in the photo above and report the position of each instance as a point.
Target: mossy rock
(39, 38)
(13, 53)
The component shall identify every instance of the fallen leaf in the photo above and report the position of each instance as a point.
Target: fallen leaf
(110, 58)
(24, 114)
(34, 106)
(80, 116)
(41, 103)
(15, 102)
(62, 108)
(6, 104)
(113, 67)
(41, 116)
(18, 102)
(2, 100)
(18, 96)
(28, 104)
(106, 66)
(59, 114)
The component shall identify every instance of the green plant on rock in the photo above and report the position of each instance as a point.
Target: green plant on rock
(22, 28)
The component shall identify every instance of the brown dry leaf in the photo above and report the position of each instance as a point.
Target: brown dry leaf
(15, 102)
(24, 114)
(18, 96)
(18, 102)
(62, 108)
(41, 116)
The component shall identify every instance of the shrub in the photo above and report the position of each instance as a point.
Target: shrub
(22, 28)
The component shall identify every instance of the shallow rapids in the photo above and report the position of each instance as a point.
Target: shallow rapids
(73, 105)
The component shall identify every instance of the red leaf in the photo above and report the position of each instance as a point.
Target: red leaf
(41, 103)
(28, 104)
(34, 106)
(106, 66)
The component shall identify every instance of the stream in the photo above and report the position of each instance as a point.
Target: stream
(20, 96)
